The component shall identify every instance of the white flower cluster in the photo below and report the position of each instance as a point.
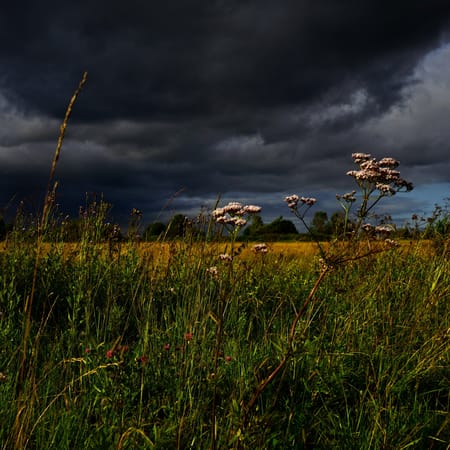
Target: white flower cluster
(260, 248)
(292, 201)
(347, 197)
(381, 174)
(234, 213)
(213, 272)
(225, 257)
(379, 230)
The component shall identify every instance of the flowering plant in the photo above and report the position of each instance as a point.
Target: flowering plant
(234, 216)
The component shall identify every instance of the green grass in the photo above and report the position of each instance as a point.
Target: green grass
(367, 368)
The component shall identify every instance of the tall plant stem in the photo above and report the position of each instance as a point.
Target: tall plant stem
(264, 383)
(49, 197)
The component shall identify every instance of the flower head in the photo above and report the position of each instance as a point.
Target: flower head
(309, 201)
(225, 257)
(260, 248)
(233, 214)
(292, 201)
(379, 175)
(213, 272)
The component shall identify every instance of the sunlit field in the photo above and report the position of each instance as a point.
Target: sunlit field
(210, 342)
(174, 345)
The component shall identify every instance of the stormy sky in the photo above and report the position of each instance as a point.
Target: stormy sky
(250, 100)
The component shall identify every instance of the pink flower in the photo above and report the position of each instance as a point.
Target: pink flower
(228, 358)
(188, 336)
(110, 353)
(87, 350)
(143, 359)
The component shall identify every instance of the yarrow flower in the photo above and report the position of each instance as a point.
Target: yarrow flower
(213, 272)
(308, 201)
(391, 243)
(360, 157)
(233, 214)
(260, 248)
(347, 197)
(292, 201)
(379, 231)
(225, 257)
(379, 175)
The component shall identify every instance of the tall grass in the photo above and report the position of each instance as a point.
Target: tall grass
(166, 346)
(126, 352)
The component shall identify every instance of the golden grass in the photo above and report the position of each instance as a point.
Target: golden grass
(163, 249)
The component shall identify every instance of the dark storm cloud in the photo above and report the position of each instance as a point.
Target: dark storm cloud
(236, 97)
(186, 58)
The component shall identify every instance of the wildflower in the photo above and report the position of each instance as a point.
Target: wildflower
(219, 212)
(110, 353)
(225, 257)
(384, 229)
(3, 377)
(391, 243)
(221, 219)
(361, 157)
(188, 336)
(260, 248)
(213, 272)
(240, 222)
(379, 175)
(389, 162)
(233, 207)
(143, 359)
(233, 214)
(367, 227)
(385, 188)
(309, 201)
(252, 209)
(348, 197)
(166, 347)
(228, 358)
(292, 201)
(87, 350)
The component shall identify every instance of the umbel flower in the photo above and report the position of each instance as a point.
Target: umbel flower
(299, 205)
(378, 175)
(234, 213)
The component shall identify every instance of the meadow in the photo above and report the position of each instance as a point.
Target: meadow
(206, 343)
(148, 347)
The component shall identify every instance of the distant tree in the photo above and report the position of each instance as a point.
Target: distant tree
(154, 230)
(320, 226)
(281, 226)
(177, 226)
(338, 225)
(254, 228)
(278, 229)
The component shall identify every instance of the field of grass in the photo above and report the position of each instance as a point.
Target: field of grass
(147, 347)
